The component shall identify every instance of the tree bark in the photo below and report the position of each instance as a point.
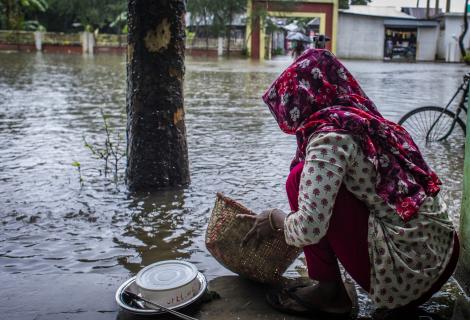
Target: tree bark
(206, 31)
(157, 155)
(8, 14)
(229, 31)
(464, 31)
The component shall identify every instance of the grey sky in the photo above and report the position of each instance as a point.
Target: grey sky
(456, 5)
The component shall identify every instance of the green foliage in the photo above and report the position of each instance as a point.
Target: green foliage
(278, 51)
(190, 35)
(360, 2)
(120, 22)
(35, 5)
(225, 11)
(200, 9)
(77, 165)
(244, 52)
(217, 14)
(344, 4)
(33, 25)
(466, 58)
(13, 12)
(111, 150)
(74, 15)
(65, 15)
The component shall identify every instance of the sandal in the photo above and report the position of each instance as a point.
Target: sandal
(276, 299)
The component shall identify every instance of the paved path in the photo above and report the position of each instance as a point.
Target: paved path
(91, 297)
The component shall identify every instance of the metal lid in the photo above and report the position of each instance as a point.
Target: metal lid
(165, 275)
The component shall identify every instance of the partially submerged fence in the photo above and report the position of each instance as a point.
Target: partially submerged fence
(87, 42)
(84, 42)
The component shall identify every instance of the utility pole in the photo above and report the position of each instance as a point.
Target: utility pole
(157, 154)
(463, 268)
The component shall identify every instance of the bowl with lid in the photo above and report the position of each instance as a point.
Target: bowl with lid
(168, 283)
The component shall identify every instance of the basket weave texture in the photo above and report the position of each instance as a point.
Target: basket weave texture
(265, 263)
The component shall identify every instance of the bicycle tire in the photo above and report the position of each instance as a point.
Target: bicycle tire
(418, 122)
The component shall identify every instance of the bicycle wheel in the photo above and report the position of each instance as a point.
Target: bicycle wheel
(420, 121)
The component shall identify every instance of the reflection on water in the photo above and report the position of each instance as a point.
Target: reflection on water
(49, 102)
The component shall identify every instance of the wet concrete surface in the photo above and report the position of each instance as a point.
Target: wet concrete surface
(58, 296)
(92, 296)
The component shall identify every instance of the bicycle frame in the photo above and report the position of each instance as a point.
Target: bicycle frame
(464, 87)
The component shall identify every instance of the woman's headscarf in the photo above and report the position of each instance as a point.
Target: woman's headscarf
(318, 94)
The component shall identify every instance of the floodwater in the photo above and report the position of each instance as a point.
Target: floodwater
(51, 222)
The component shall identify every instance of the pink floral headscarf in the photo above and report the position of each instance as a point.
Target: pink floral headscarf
(318, 94)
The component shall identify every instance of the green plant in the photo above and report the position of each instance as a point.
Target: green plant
(77, 165)
(33, 25)
(278, 51)
(110, 150)
(190, 35)
(14, 11)
(120, 22)
(466, 58)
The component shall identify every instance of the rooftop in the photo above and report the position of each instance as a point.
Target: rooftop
(387, 12)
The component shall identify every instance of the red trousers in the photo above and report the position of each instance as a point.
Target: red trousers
(346, 241)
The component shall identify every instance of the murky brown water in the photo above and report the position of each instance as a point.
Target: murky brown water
(51, 223)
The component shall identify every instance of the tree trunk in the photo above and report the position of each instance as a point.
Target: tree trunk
(464, 31)
(427, 8)
(229, 31)
(447, 6)
(8, 14)
(157, 155)
(206, 32)
(437, 8)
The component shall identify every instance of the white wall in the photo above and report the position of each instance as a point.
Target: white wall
(427, 43)
(360, 37)
(441, 51)
(448, 45)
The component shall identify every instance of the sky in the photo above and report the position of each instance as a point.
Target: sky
(456, 5)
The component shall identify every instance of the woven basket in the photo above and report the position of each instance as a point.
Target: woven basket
(265, 263)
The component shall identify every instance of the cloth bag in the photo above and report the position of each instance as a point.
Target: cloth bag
(265, 263)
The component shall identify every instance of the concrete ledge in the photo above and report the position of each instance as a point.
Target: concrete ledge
(59, 296)
(462, 275)
(461, 309)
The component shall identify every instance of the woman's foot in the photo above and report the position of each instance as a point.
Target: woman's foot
(324, 297)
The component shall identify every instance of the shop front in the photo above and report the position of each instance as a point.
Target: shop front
(400, 44)
(410, 40)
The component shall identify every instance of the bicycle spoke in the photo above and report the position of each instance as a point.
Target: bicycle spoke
(431, 124)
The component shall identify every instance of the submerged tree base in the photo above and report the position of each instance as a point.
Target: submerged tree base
(156, 145)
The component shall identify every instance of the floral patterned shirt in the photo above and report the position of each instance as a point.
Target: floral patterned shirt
(406, 258)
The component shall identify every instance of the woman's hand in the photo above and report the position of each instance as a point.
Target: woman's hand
(262, 227)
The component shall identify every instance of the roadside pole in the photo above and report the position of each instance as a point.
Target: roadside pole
(463, 269)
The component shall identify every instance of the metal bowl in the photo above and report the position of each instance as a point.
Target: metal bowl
(168, 283)
(129, 306)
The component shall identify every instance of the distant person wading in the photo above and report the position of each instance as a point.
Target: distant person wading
(298, 47)
(359, 191)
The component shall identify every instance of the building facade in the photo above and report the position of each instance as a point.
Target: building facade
(451, 25)
(366, 32)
